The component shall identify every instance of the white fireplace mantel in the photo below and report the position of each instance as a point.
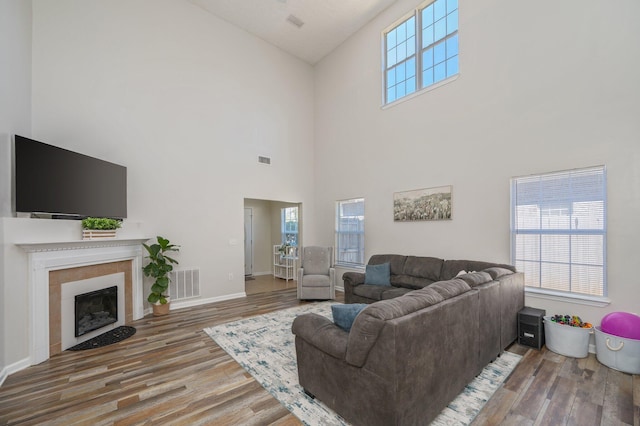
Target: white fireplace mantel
(51, 256)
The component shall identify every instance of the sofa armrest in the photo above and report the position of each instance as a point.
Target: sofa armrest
(352, 279)
(321, 333)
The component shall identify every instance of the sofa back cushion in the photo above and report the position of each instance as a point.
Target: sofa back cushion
(409, 281)
(450, 268)
(475, 279)
(450, 288)
(497, 272)
(423, 267)
(396, 262)
(369, 322)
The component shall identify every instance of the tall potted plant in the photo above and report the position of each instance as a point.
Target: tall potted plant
(159, 267)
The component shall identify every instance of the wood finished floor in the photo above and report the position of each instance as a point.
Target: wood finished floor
(171, 372)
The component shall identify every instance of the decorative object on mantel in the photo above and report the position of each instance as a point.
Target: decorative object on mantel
(422, 204)
(159, 267)
(97, 228)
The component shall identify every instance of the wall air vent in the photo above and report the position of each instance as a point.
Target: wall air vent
(264, 160)
(295, 21)
(184, 283)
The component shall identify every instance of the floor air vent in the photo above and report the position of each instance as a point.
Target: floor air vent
(184, 284)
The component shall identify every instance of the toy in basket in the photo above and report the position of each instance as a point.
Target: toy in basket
(567, 335)
(618, 342)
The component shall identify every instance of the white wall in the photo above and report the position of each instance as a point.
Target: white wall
(542, 87)
(187, 102)
(15, 117)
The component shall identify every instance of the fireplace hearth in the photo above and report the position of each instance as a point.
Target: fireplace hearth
(95, 310)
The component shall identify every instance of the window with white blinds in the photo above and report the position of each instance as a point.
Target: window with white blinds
(559, 232)
(350, 232)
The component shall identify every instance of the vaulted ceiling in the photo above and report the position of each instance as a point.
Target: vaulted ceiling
(308, 29)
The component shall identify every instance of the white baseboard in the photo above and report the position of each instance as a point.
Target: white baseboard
(14, 368)
(189, 303)
(197, 302)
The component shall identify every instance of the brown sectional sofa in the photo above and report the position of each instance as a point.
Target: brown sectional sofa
(408, 356)
(408, 273)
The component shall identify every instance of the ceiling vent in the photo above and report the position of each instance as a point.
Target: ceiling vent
(264, 160)
(295, 21)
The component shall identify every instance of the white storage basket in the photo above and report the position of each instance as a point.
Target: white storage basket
(565, 339)
(616, 352)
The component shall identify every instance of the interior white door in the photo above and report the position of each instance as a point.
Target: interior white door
(248, 241)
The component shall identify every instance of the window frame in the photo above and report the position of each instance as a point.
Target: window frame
(361, 240)
(569, 201)
(283, 221)
(417, 54)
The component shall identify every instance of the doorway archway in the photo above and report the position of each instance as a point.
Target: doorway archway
(263, 231)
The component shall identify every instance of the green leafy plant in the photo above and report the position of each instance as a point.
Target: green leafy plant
(284, 249)
(100, 223)
(159, 267)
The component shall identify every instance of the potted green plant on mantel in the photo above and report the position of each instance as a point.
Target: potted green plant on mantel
(96, 228)
(159, 267)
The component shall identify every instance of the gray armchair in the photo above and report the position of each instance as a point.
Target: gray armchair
(316, 275)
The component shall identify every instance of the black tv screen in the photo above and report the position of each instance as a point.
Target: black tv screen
(64, 183)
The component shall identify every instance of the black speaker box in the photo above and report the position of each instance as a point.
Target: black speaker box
(531, 327)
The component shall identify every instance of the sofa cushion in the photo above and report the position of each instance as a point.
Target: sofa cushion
(450, 268)
(450, 288)
(497, 272)
(344, 315)
(392, 292)
(369, 323)
(423, 267)
(377, 274)
(475, 279)
(373, 292)
(316, 281)
(407, 281)
(395, 261)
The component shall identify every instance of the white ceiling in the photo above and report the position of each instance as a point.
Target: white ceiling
(327, 23)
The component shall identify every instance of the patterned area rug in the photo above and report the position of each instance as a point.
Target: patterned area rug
(264, 346)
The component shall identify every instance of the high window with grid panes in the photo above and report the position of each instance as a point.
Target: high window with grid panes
(432, 32)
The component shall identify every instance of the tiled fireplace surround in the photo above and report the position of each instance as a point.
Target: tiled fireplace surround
(53, 264)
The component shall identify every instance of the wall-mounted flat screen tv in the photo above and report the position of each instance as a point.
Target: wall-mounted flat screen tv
(67, 184)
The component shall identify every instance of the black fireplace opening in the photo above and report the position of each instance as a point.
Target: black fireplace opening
(96, 309)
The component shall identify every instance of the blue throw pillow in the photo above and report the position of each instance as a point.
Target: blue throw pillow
(344, 315)
(378, 274)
